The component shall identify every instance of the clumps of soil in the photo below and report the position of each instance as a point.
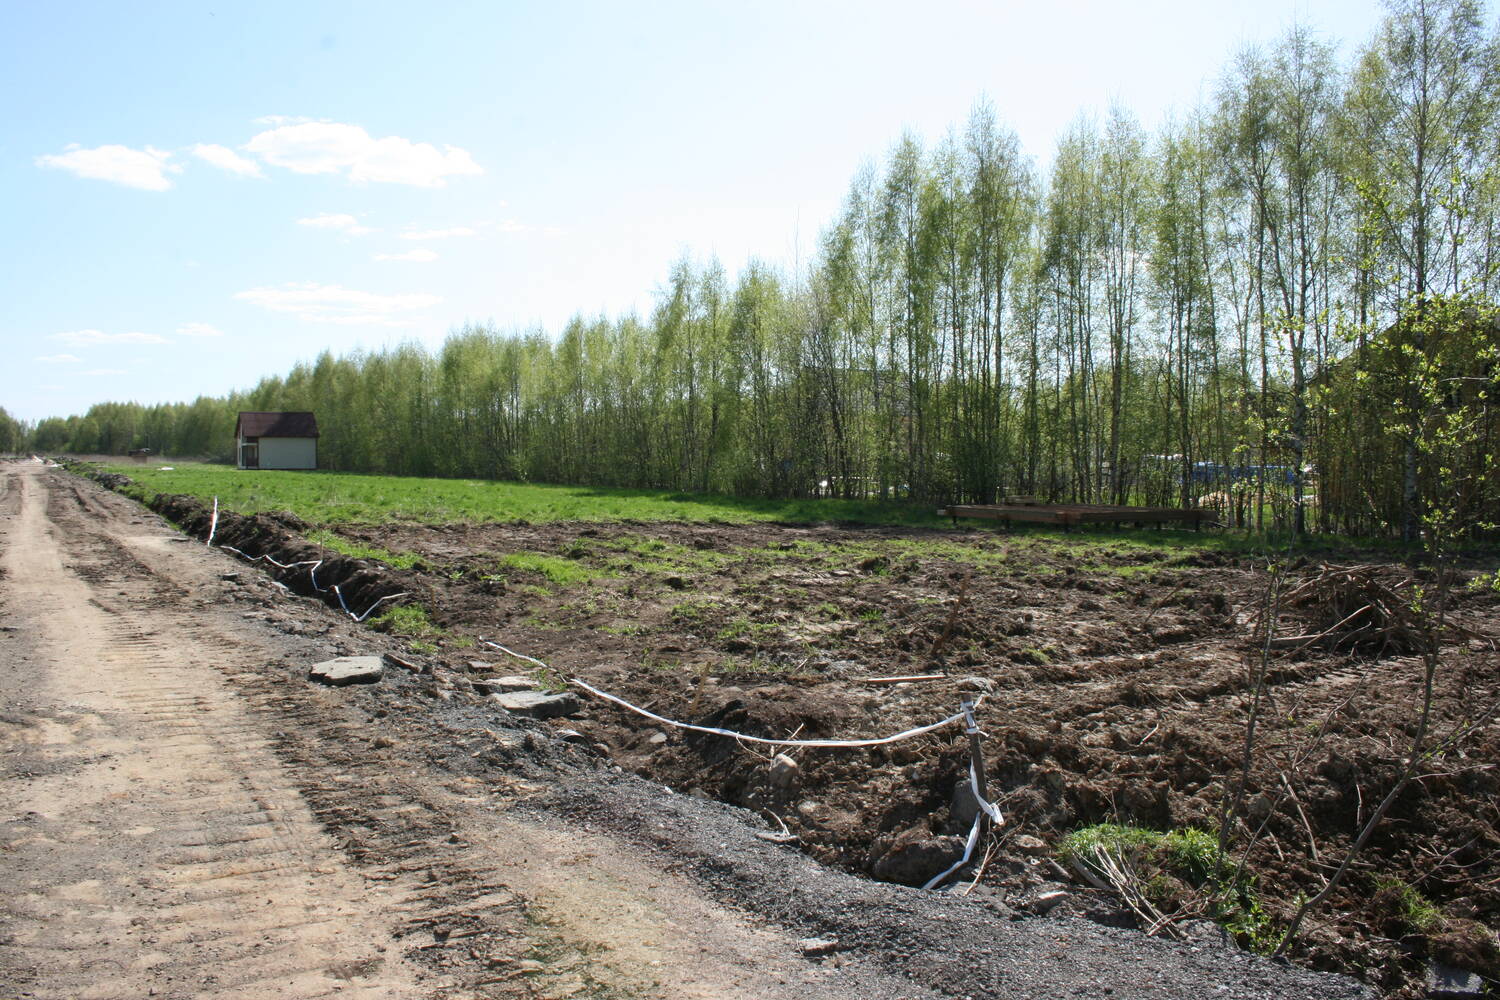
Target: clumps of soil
(1117, 681)
(1117, 684)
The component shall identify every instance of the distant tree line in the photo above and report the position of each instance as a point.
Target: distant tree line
(1202, 314)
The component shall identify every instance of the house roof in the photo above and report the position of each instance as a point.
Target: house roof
(285, 424)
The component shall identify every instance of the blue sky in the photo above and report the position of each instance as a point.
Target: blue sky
(199, 195)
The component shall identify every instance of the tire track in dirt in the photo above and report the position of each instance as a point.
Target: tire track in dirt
(170, 855)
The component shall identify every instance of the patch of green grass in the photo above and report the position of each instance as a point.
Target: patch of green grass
(356, 550)
(410, 621)
(342, 497)
(326, 498)
(742, 626)
(695, 609)
(1189, 854)
(641, 554)
(623, 629)
(560, 571)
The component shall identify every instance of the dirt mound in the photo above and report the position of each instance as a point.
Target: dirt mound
(1118, 678)
(275, 541)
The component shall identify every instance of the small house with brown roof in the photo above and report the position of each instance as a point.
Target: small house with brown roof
(278, 440)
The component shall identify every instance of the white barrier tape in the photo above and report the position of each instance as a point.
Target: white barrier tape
(969, 846)
(371, 608)
(762, 740)
(985, 809)
(966, 714)
(213, 525)
(989, 808)
(313, 575)
(519, 656)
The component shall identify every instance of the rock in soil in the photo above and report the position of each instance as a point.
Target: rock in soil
(1447, 982)
(964, 806)
(785, 774)
(502, 685)
(815, 946)
(347, 670)
(916, 856)
(539, 705)
(1027, 844)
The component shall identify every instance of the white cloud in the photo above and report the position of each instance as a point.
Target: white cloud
(80, 338)
(342, 222)
(335, 148)
(421, 254)
(199, 330)
(106, 371)
(146, 169)
(438, 234)
(281, 120)
(512, 226)
(60, 359)
(317, 303)
(227, 159)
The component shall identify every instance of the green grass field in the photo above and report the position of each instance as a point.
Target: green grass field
(334, 498)
(343, 498)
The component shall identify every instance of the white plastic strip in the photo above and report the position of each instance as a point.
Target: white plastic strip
(957, 716)
(313, 575)
(371, 608)
(519, 656)
(213, 525)
(985, 809)
(989, 808)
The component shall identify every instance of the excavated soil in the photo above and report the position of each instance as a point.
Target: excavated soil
(1116, 677)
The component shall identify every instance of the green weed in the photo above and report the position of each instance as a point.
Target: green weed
(1413, 909)
(410, 621)
(1191, 855)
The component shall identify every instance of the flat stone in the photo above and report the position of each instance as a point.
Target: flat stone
(785, 774)
(347, 670)
(1449, 982)
(776, 837)
(502, 685)
(815, 946)
(657, 739)
(1047, 900)
(1027, 844)
(539, 705)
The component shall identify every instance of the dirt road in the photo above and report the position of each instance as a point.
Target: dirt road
(182, 815)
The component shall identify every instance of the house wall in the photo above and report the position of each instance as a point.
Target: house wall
(288, 453)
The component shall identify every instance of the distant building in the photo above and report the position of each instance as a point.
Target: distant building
(276, 441)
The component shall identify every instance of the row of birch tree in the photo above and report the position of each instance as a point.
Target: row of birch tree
(1170, 317)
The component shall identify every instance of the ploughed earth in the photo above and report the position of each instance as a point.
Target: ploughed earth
(1117, 673)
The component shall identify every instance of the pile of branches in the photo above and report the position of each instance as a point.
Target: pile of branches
(1365, 608)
